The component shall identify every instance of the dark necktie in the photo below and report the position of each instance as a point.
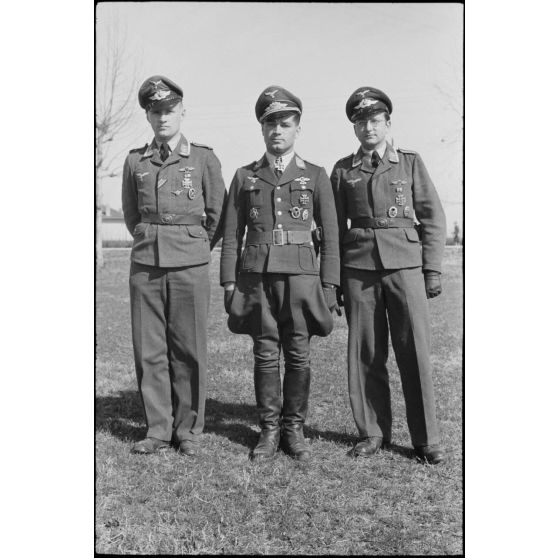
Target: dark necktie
(372, 160)
(375, 160)
(164, 151)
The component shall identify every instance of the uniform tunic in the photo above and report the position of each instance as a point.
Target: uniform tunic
(163, 205)
(273, 211)
(151, 186)
(382, 262)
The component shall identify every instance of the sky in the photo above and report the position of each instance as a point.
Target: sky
(224, 55)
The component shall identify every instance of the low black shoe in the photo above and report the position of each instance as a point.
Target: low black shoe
(150, 445)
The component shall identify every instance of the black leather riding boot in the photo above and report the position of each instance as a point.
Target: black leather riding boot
(296, 390)
(268, 400)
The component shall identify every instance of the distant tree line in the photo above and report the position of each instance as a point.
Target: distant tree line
(455, 239)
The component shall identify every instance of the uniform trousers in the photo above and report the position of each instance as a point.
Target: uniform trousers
(376, 303)
(169, 333)
(280, 321)
(280, 312)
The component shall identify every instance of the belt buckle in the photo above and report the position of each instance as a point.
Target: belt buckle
(382, 223)
(167, 218)
(275, 233)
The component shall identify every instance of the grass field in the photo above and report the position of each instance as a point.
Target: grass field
(221, 503)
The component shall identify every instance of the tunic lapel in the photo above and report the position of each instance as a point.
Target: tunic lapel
(153, 153)
(182, 149)
(263, 171)
(359, 159)
(387, 159)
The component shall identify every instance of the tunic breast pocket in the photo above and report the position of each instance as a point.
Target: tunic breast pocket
(403, 194)
(356, 193)
(302, 195)
(254, 196)
(302, 201)
(147, 191)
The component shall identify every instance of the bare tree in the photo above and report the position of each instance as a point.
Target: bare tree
(452, 95)
(115, 103)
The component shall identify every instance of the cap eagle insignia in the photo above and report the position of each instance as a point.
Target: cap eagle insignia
(159, 94)
(365, 103)
(277, 105)
(363, 93)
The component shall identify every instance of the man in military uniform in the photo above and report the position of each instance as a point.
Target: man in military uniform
(274, 289)
(386, 278)
(167, 187)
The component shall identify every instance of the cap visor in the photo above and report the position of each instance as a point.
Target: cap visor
(281, 109)
(164, 103)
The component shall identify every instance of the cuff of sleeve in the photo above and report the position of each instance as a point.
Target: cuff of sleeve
(330, 269)
(432, 269)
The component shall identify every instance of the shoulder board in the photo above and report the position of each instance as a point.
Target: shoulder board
(347, 158)
(138, 149)
(249, 167)
(201, 145)
(311, 164)
(254, 166)
(406, 151)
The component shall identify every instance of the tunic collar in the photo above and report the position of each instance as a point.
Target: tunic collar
(387, 148)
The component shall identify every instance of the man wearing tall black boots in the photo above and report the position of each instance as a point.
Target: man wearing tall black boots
(275, 291)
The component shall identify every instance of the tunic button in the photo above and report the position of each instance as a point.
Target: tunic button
(278, 187)
(279, 213)
(279, 226)
(278, 199)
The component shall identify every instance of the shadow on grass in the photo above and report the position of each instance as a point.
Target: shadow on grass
(349, 441)
(329, 436)
(121, 415)
(232, 421)
(401, 450)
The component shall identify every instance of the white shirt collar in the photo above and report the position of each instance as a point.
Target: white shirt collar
(287, 158)
(172, 143)
(380, 151)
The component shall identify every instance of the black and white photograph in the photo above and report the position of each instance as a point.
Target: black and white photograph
(279, 278)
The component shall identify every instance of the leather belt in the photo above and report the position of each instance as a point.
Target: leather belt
(171, 219)
(278, 237)
(382, 223)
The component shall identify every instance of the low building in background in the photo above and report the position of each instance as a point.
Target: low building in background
(114, 232)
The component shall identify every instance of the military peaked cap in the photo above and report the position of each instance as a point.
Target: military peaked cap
(276, 99)
(158, 92)
(365, 102)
